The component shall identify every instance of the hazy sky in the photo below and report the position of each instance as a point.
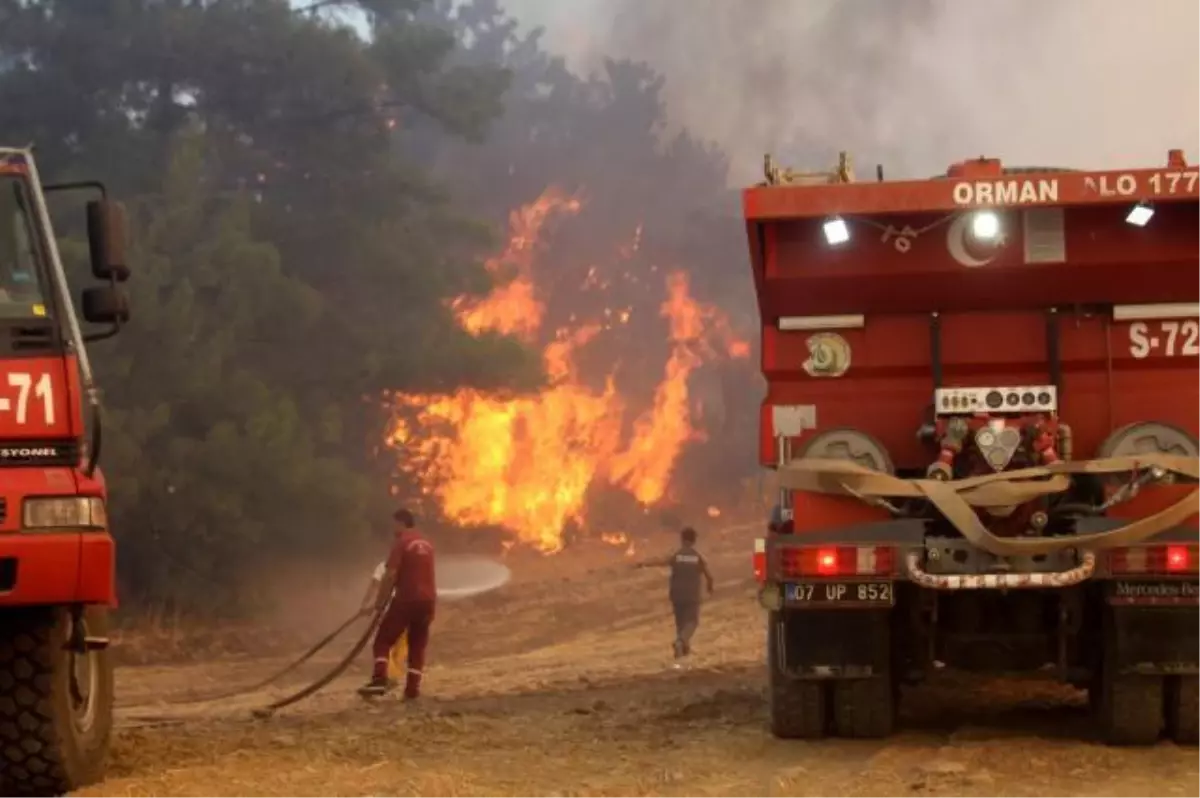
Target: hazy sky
(914, 83)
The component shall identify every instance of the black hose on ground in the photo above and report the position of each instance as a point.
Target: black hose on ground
(337, 671)
(313, 651)
(300, 695)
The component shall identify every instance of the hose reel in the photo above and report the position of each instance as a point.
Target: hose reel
(1149, 438)
(853, 445)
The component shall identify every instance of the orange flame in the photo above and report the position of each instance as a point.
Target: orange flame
(714, 512)
(659, 434)
(527, 463)
(619, 539)
(514, 308)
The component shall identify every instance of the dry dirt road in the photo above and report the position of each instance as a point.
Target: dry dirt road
(561, 684)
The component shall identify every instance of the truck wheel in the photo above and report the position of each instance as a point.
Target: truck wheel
(1183, 709)
(864, 708)
(797, 707)
(55, 705)
(1131, 709)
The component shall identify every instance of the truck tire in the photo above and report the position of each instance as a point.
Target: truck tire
(1130, 706)
(1131, 709)
(1183, 709)
(797, 708)
(864, 708)
(56, 707)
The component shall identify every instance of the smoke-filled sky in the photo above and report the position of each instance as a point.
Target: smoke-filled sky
(915, 84)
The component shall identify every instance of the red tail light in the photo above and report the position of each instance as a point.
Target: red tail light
(827, 562)
(799, 561)
(1177, 559)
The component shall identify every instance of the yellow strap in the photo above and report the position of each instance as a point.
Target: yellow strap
(397, 657)
(957, 499)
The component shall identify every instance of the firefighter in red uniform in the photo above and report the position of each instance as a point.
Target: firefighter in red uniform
(408, 591)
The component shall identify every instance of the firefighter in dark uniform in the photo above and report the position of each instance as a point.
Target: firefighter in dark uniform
(689, 575)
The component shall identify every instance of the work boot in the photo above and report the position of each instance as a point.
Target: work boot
(412, 686)
(377, 686)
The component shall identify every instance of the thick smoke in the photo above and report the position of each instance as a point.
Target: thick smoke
(914, 84)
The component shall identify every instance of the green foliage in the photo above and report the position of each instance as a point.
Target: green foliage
(213, 467)
(292, 262)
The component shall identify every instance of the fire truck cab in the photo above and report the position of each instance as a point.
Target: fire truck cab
(981, 409)
(57, 556)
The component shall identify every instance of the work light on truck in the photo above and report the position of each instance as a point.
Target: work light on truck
(64, 512)
(1140, 215)
(985, 225)
(836, 231)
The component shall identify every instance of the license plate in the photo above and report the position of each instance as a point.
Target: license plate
(812, 593)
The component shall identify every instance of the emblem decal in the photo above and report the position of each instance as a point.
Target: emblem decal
(828, 355)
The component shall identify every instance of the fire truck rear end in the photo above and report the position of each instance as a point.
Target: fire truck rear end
(982, 412)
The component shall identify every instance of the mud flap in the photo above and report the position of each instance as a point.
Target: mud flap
(835, 644)
(1155, 641)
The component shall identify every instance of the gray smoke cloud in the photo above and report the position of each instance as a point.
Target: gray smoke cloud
(914, 84)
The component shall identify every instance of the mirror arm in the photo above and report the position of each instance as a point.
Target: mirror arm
(102, 335)
(75, 185)
(94, 449)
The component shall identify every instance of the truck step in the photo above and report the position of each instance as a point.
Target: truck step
(95, 643)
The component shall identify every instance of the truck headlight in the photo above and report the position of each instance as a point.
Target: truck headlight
(64, 512)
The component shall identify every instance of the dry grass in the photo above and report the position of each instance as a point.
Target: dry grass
(155, 638)
(560, 684)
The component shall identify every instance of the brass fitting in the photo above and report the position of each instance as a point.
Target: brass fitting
(1066, 441)
(956, 432)
(939, 471)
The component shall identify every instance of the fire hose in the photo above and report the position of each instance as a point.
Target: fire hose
(957, 500)
(338, 669)
(335, 672)
(305, 657)
(483, 575)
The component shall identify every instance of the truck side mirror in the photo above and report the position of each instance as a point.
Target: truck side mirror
(106, 240)
(106, 304)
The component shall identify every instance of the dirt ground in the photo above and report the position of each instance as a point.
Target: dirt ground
(562, 684)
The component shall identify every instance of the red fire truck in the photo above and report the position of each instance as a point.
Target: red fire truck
(982, 412)
(56, 554)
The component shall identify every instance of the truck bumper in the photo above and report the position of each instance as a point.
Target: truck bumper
(908, 539)
(66, 567)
